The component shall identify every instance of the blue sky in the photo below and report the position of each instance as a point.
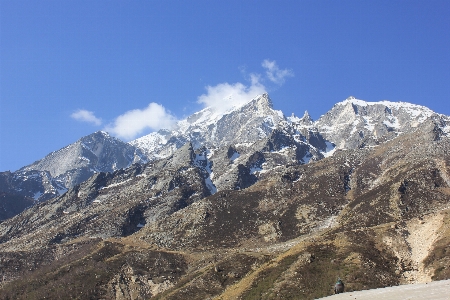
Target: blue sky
(70, 68)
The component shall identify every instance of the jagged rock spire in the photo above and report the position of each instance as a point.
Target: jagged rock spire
(306, 119)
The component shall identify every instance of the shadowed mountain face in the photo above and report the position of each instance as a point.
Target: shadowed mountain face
(278, 217)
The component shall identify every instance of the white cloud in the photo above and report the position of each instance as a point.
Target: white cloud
(86, 116)
(274, 73)
(224, 96)
(134, 122)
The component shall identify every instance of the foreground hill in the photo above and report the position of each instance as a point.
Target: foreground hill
(279, 218)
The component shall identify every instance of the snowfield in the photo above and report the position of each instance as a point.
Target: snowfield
(436, 290)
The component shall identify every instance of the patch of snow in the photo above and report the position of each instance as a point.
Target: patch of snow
(253, 170)
(209, 170)
(368, 124)
(293, 118)
(261, 133)
(299, 138)
(149, 141)
(282, 150)
(37, 195)
(84, 158)
(269, 121)
(199, 157)
(331, 148)
(61, 190)
(116, 184)
(355, 122)
(280, 114)
(355, 101)
(235, 156)
(246, 145)
(392, 122)
(97, 201)
(140, 225)
(210, 185)
(209, 153)
(328, 128)
(306, 158)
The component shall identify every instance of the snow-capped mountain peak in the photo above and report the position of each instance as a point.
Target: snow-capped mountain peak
(244, 123)
(249, 126)
(354, 122)
(413, 109)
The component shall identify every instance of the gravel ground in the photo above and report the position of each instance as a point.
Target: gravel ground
(435, 290)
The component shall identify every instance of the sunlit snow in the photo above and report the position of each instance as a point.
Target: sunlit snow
(234, 156)
(330, 149)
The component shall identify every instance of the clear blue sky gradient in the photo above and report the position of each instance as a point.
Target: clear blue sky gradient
(110, 57)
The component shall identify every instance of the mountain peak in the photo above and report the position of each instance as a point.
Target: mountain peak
(306, 116)
(353, 101)
(305, 120)
(260, 102)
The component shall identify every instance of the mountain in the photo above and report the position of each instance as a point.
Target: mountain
(239, 144)
(355, 123)
(276, 210)
(97, 152)
(239, 128)
(240, 125)
(60, 170)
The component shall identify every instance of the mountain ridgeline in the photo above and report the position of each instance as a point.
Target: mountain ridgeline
(242, 204)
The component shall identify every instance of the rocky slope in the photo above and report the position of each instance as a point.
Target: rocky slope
(280, 217)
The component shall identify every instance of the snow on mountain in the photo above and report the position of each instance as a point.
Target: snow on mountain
(73, 164)
(306, 120)
(255, 127)
(261, 138)
(356, 123)
(97, 152)
(247, 123)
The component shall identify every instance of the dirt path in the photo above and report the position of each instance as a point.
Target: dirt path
(436, 290)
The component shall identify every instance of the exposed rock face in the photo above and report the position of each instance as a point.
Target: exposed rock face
(279, 217)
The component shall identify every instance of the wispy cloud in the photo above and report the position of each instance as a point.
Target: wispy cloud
(86, 116)
(274, 73)
(135, 122)
(224, 96)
